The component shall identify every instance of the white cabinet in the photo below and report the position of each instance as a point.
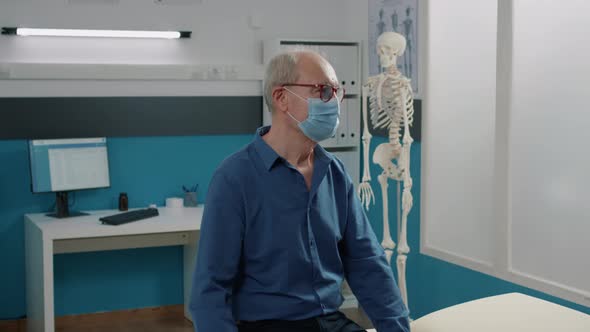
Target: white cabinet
(353, 121)
(347, 135)
(344, 57)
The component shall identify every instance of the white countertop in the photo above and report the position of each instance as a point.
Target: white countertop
(169, 220)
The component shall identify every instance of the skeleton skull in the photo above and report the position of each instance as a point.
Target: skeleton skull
(390, 45)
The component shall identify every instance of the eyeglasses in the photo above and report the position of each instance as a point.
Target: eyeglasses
(327, 92)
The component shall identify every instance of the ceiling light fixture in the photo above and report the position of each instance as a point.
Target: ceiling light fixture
(96, 33)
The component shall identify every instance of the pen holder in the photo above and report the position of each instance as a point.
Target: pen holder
(190, 199)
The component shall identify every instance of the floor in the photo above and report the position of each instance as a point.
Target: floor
(168, 319)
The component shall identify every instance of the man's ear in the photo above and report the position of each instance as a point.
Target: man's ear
(279, 98)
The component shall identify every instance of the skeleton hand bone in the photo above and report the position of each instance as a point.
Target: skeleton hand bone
(366, 194)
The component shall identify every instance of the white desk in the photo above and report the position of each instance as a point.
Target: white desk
(46, 236)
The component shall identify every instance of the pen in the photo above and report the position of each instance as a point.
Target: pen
(193, 188)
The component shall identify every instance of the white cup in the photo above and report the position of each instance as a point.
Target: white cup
(174, 202)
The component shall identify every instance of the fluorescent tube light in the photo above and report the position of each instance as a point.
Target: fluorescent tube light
(96, 33)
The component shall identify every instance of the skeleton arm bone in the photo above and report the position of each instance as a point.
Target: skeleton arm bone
(407, 201)
(365, 191)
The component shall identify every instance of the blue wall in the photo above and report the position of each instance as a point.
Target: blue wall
(150, 169)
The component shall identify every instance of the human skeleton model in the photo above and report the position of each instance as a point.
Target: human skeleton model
(391, 106)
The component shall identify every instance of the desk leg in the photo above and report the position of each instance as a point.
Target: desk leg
(39, 279)
(190, 258)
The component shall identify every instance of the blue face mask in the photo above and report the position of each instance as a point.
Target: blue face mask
(322, 118)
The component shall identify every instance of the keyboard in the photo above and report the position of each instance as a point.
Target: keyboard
(125, 217)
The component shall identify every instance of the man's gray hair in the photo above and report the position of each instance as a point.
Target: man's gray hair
(281, 69)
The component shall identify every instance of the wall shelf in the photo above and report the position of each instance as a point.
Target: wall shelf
(103, 71)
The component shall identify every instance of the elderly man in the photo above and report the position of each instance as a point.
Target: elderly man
(283, 227)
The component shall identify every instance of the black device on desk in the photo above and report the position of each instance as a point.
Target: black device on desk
(125, 217)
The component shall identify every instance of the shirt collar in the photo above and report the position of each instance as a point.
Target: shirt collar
(322, 154)
(269, 156)
(266, 153)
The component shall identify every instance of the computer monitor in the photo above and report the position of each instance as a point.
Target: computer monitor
(62, 165)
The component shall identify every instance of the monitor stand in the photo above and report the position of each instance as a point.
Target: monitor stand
(62, 207)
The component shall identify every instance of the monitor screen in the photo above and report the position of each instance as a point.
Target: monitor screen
(69, 164)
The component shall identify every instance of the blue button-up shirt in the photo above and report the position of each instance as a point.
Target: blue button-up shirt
(272, 249)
